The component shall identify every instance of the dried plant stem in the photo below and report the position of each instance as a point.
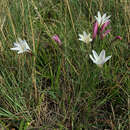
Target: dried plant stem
(3, 34)
(41, 19)
(129, 111)
(1, 28)
(34, 61)
(13, 27)
(34, 80)
(67, 2)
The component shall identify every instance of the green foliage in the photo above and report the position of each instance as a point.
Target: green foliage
(73, 93)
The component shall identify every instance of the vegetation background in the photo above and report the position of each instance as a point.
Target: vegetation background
(60, 88)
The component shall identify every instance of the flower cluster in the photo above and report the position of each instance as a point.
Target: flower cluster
(98, 29)
(101, 23)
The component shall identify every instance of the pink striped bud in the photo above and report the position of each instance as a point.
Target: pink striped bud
(57, 39)
(105, 33)
(118, 37)
(104, 26)
(95, 29)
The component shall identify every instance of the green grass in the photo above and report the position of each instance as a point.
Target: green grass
(59, 87)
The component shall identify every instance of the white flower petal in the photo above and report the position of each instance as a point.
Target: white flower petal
(27, 47)
(102, 55)
(16, 44)
(108, 17)
(107, 58)
(96, 17)
(16, 48)
(85, 34)
(92, 58)
(105, 20)
(104, 16)
(90, 39)
(99, 15)
(95, 54)
(80, 35)
(80, 39)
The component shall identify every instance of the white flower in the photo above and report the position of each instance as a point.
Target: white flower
(103, 19)
(99, 60)
(21, 46)
(85, 38)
